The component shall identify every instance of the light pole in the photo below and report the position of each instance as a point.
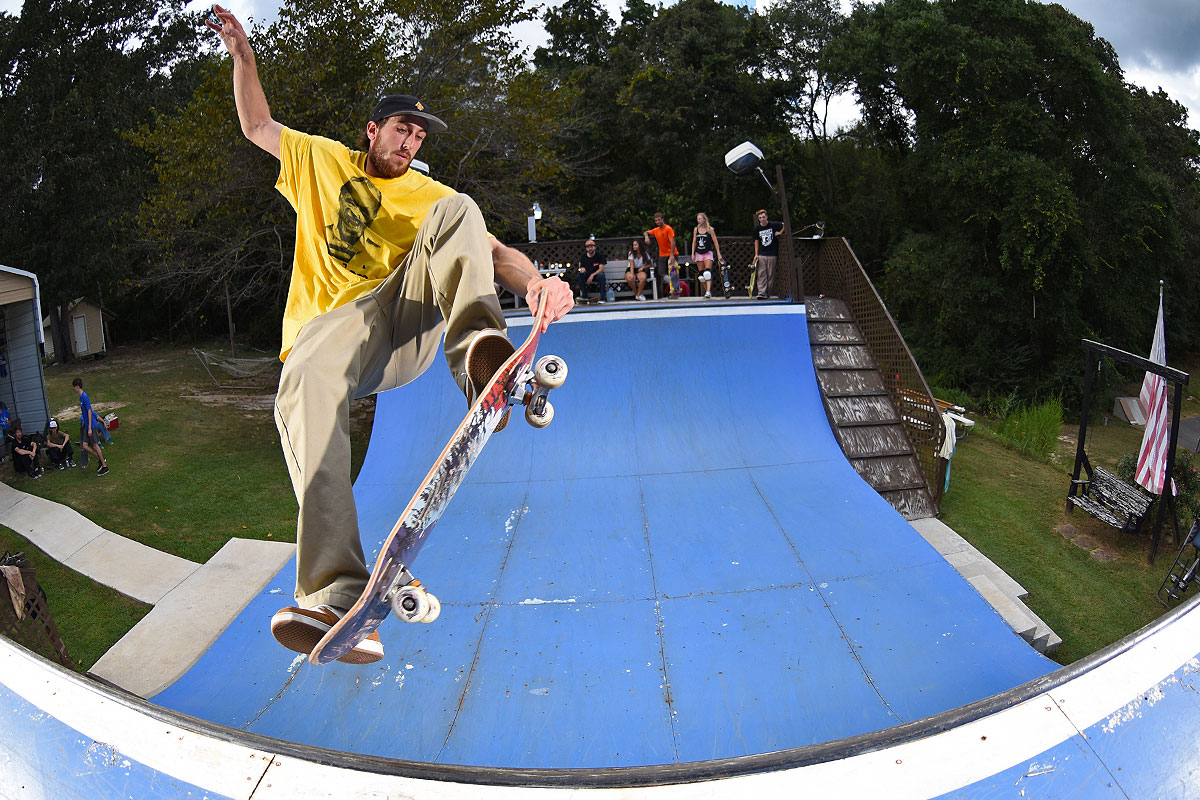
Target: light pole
(532, 219)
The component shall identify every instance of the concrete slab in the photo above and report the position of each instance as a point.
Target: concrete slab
(58, 530)
(190, 617)
(1014, 613)
(130, 567)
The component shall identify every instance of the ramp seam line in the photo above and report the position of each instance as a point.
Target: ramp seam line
(825, 601)
(489, 611)
(659, 626)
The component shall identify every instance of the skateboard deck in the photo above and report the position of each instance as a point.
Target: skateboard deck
(673, 277)
(392, 586)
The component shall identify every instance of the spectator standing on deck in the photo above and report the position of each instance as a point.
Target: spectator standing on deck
(766, 252)
(664, 235)
(89, 441)
(704, 246)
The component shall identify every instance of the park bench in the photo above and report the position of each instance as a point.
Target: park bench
(1108, 498)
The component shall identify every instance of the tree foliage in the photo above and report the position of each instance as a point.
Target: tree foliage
(74, 76)
(1007, 189)
(1032, 212)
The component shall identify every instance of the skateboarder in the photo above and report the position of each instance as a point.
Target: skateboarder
(386, 261)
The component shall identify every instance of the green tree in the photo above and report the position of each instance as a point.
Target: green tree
(75, 76)
(676, 88)
(1032, 213)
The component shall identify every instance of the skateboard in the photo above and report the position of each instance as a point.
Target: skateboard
(1183, 571)
(753, 275)
(392, 587)
(673, 277)
(725, 279)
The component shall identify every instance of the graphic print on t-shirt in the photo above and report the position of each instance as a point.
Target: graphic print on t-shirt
(358, 204)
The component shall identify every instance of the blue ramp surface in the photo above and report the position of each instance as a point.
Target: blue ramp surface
(682, 567)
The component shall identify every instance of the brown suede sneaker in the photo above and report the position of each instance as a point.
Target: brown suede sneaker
(300, 629)
(487, 353)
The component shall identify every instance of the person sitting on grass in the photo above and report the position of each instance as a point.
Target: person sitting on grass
(58, 447)
(25, 452)
(89, 442)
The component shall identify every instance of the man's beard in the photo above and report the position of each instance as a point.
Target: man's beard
(382, 165)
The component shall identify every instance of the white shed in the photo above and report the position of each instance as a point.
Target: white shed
(86, 322)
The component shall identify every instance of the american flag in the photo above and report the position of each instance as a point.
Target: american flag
(1152, 458)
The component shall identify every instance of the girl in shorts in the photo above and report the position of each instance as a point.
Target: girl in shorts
(639, 270)
(704, 245)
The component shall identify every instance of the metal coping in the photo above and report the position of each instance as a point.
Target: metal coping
(625, 777)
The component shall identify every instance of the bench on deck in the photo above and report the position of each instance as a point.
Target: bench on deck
(1109, 499)
(614, 274)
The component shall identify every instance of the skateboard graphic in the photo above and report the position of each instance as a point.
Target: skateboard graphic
(392, 587)
(673, 277)
(725, 279)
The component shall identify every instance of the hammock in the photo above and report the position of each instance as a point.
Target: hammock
(263, 372)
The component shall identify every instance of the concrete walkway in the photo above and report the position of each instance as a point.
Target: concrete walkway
(1000, 591)
(193, 603)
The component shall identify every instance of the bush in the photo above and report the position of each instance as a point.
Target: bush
(1187, 482)
(1032, 430)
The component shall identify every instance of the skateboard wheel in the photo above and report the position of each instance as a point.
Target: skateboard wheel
(411, 603)
(435, 609)
(539, 413)
(550, 371)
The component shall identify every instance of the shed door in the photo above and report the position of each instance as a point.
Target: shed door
(79, 327)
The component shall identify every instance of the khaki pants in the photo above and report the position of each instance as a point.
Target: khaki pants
(765, 281)
(380, 341)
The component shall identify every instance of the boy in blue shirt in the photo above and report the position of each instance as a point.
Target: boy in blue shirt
(89, 441)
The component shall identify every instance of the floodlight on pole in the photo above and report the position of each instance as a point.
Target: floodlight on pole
(745, 157)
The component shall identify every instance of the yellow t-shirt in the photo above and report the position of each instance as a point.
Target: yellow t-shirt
(352, 230)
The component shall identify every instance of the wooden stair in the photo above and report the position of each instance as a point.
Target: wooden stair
(862, 415)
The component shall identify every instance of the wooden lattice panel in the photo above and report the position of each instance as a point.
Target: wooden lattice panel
(35, 630)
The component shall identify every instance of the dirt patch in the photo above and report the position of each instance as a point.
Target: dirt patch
(247, 402)
(1068, 531)
(72, 412)
(362, 411)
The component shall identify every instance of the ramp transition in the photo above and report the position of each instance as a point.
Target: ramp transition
(680, 580)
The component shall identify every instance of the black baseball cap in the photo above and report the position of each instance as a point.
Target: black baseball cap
(395, 105)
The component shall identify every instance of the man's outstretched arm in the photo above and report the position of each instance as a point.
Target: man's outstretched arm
(252, 108)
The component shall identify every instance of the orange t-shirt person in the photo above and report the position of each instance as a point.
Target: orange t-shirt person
(664, 234)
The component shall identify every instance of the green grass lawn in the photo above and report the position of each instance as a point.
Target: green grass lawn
(90, 617)
(193, 466)
(1010, 507)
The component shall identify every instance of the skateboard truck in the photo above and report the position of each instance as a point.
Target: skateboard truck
(411, 602)
(533, 389)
